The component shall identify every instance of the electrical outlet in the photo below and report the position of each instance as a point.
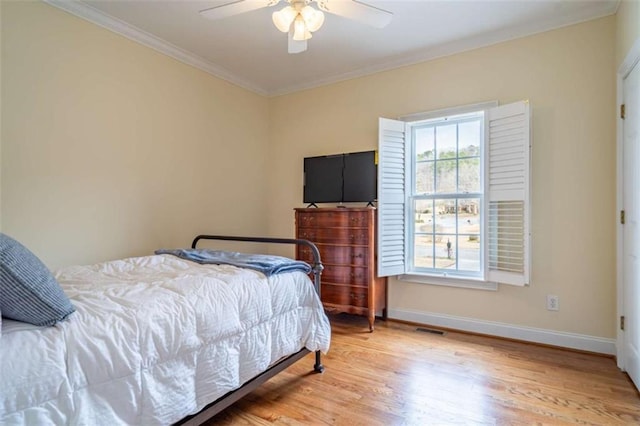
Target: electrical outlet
(553, 303)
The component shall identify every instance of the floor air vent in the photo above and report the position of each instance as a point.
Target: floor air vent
(430, 330)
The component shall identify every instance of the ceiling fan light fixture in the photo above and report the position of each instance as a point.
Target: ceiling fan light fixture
(282, 19)
(300, 30)
(312, 17)
(299, 19)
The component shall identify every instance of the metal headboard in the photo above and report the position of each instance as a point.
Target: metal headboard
(316, 268)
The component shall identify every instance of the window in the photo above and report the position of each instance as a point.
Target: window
(454, 195)
(445, 195)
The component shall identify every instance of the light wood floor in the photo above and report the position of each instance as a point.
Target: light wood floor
(399, 376)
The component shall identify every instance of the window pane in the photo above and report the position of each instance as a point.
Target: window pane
(469, 136)
(423, 251)
(445, 216)
(425, 143)
(446, 144)
(469, 139)
(469, 252)
(446, 176)
(469, 216)
(424, 216)
(424, 177)
(423, 240)
(469, 175)
(469, 234)
(446, 252)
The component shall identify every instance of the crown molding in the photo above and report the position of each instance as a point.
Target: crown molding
(131, 32)
(444, 50)
(95, 16)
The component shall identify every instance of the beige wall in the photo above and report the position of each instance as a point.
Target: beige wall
(110, 149)
(628, 27)
(568, 76)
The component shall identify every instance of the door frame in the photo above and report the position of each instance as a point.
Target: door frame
(631, 60)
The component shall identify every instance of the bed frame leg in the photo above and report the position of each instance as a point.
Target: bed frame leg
(318, 367)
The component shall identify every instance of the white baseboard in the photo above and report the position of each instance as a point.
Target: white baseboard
(517, 332)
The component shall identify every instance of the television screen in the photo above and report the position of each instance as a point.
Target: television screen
(341, 178)
(360, 177)
(323, 179)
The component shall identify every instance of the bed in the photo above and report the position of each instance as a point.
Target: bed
(160, 340)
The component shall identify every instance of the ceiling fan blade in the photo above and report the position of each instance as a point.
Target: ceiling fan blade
(358, 11)
(296, 46)
(235, 7)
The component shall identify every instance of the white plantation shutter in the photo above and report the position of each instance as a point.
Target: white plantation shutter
(508, 183)
(391, 197)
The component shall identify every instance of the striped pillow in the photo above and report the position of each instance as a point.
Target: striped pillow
(28, 291)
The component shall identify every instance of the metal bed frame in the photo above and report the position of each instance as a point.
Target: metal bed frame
(231, 397)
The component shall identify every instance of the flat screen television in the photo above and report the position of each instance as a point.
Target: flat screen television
(342, 178)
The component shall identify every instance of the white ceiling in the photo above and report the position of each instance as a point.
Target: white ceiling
(249, 51)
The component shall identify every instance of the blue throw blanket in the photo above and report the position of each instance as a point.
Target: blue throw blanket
(266, 264)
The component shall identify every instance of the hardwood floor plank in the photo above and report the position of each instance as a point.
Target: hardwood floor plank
(399, 376)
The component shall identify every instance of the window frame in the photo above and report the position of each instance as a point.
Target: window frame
(436, 276)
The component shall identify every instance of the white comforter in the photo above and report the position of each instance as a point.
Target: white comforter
(153, 340)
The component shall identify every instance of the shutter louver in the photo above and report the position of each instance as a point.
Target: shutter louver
(391, 197)
(508, 194)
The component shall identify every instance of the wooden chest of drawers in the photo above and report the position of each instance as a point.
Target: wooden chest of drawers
(346, 240)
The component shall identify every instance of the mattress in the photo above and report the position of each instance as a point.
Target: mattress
(154, 339)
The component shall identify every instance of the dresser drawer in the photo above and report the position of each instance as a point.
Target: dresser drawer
(344, 295)
(346, 275)
(344, 218)
(335, 235)
(337, 255)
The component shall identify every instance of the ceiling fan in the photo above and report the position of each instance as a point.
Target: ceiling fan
(300, 19)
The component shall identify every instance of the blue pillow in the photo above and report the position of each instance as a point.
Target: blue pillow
(28, 291)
